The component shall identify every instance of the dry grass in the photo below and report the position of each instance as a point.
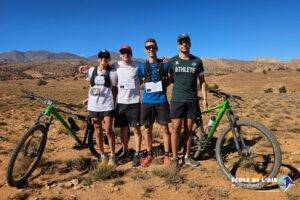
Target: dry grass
(194, 184)
(147, 191)
(106, 173)
(50, 167)
(4, 138)
(57, 197)
(86, 181)
(81, 163)
(170, 176)
(118, 182)
(23, 195)
(139, 175)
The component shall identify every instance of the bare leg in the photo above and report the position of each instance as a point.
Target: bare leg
(175, 136)
(124, 137)
(107, 127)
(188, 125)
(98, 134)
(166, 136)
(149, 138)
(137, 138)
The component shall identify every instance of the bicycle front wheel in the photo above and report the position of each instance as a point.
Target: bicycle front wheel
(259, 158)
(26, 155)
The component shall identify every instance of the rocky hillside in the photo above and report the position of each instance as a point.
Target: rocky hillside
(40, 69)
(38, 64)
(19, 56)
(225, 66)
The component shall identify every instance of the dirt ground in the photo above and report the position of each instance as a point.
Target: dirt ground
(280, 112)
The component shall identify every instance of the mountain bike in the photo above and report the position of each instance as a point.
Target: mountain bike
(29, 149)
(247, 152)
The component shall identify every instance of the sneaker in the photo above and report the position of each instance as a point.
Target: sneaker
(136, 160)
(103, 162)
(123, 158)
(112, 162)
(175, 163)
(147, 161)
(190, 161)
(167, 161)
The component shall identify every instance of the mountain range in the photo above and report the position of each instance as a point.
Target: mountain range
(46, 64)
(43, 55)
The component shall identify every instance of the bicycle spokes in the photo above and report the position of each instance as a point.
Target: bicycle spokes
(27, 155)
(255, 158)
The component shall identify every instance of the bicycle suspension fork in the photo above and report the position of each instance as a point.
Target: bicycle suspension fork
(237, 135)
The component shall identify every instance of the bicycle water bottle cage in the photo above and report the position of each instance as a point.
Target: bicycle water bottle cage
(73, 124)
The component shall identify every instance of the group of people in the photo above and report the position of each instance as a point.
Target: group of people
(114, 95)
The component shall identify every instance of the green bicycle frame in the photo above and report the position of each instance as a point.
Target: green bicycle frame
(52, 110)
(222, 109)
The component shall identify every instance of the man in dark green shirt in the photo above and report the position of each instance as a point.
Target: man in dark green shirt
(184, 70)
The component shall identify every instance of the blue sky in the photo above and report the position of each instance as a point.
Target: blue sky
(239, 29)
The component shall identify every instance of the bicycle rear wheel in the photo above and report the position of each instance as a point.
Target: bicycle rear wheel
(26, 155)
(259, 160)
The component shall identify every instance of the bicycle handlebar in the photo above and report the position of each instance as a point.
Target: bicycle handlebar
(220, 94)
(47, 101)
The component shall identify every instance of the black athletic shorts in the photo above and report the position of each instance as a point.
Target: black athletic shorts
(101, 114)
(190, 110)
(128, 114)
(151, 112)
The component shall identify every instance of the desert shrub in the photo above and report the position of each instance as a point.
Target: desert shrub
(269, 90)
(282, 89)
(212, 86)
(42, 82)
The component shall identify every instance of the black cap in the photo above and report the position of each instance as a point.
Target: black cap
(103, 52)
(182, 36)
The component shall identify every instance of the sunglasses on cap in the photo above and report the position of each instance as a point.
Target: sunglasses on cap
(151, 47)
(184, 40)
(125, 51)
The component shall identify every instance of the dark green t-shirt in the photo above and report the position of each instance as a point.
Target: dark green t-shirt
(185, 74)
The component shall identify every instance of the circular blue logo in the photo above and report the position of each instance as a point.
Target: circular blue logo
(284, 182)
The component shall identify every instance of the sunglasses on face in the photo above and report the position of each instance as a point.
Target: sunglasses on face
(104, 57)
(184, 40)
(151, 47)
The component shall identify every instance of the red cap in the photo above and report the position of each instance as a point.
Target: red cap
(125, 47)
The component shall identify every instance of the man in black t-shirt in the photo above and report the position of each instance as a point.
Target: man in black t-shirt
(184, 70)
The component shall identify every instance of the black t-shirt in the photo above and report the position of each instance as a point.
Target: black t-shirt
(185, 73)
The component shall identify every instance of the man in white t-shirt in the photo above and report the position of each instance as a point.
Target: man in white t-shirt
(128, 103)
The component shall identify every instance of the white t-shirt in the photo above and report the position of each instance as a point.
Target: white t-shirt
(100, 97)
(128, 82)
